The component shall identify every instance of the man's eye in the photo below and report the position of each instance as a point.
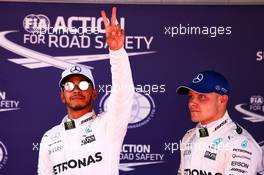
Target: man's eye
(202, 97)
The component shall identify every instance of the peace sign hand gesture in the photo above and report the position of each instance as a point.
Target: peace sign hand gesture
(114, 34)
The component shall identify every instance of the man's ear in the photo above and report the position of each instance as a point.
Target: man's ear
(94, 94)
(224, 99)
(62, 97)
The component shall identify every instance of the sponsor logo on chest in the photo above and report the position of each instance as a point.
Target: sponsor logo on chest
(87, 137)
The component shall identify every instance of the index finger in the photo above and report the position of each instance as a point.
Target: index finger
(106, 24)
(113, 17)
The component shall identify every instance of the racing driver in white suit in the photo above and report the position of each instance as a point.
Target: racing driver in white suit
(217, 145)
(84, 143)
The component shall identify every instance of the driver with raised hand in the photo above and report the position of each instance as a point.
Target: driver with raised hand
(84, 143)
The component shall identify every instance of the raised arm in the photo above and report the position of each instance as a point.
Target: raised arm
(122, 92)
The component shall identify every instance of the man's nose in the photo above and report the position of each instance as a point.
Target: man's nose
(192, 101)
(76, 89)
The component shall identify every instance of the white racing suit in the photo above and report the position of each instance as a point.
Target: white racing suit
(223, 148)
(93, 146)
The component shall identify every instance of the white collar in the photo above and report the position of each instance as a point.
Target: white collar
(83, 119)
(206, 130)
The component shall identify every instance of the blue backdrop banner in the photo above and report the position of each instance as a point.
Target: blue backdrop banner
(167, 46)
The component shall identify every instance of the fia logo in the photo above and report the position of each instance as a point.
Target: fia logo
(256, 102)
(253, 110)
(36, 23)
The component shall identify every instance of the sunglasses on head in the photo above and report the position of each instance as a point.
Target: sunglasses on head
(82, 85)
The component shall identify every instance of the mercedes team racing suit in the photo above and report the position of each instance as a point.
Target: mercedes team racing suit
(93, 145)
(220, 148)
